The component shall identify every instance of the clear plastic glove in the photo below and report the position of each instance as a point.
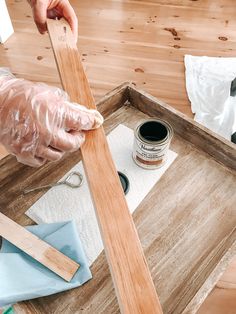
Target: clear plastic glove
(38, 123)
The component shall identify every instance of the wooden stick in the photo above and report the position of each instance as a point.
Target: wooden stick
(41, 251)
(131, 277)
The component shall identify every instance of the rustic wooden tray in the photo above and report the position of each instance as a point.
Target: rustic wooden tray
(187, 223)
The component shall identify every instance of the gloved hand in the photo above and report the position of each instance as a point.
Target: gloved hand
(38, 123)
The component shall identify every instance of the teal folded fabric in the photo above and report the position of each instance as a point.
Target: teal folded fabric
(23, 278)
(9, 310)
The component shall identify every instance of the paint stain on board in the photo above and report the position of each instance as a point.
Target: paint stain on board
(171, 30)
(223, 38)
(139, 70)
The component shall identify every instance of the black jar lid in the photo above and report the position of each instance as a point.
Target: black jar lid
(124, 182)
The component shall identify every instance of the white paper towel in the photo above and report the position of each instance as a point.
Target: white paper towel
(208, 81)
(62, 203)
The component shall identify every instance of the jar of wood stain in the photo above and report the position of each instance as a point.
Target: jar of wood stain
(152, 139)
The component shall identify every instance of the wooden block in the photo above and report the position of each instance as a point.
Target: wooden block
(131, 277)
(41, 251)
(6, 28)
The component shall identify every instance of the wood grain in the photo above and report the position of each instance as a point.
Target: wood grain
(131, 277)
(40, 250)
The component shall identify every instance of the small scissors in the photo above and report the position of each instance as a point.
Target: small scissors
(66, 181)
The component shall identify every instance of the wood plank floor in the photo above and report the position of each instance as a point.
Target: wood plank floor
(139, 41)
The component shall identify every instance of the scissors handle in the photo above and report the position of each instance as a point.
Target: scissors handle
(66, 181)
(39, 188)
(70, 183)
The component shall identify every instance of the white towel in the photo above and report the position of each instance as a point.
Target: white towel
(208, 82)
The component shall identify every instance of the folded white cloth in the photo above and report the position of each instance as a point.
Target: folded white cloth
(208, 82)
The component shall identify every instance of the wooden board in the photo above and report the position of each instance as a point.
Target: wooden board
(186, 223)
(131, 277)
(40, 250)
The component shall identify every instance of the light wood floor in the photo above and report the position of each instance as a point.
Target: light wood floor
(139, 41)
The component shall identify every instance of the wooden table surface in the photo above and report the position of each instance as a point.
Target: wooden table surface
(139, 41)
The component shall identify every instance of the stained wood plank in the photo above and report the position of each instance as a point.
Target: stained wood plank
(40, 250)
(131, 277)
